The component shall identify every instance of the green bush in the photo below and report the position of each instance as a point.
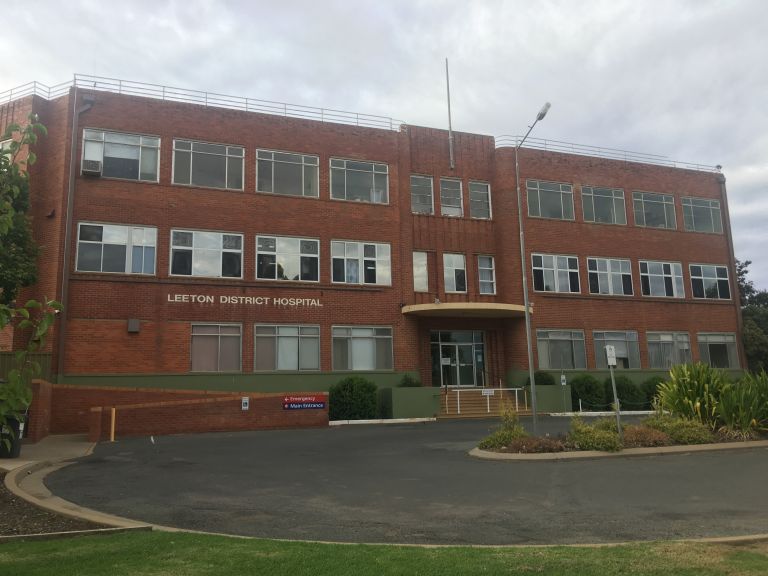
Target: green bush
(535, 445)
(542, 379)
(630, 395)
(607, 424)
(649, 388)
(692, 392)
(408, 381)
(500, 438)
(644, 437)
(353, 398)
(585, 437)
(589, 390)
(743, 407)
(680, 430)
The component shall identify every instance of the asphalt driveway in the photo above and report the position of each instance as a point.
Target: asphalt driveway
(415, 483)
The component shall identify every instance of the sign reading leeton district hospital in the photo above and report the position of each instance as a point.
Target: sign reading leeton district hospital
(243, 300)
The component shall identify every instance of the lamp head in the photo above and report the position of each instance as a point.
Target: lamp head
(543, 112)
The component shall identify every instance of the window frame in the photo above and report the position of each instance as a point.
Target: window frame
(729, 339)
(601, 362)
(639, 196)
(561, 192)
(717, 279)
(431, 194)
(303, 165)
(373, 172)
(687, 202)
(610, 275)
(480, 281)
(141, 146)
(226, 155)
(349, 337)
(222, 250)
(571, 339)
(301, 255)
(590, 196)
(461, 199)
(218, 357)
(128, 249)
(455, 270)
(361, 258)
(674, 337)
(672, 276)
(556, 271)
(276, 336)
(426, 269)
(472, 202)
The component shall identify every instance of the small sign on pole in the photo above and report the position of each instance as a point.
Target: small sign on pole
(610, 355)
(245, 403)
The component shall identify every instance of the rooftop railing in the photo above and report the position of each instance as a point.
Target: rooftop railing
(215, 100)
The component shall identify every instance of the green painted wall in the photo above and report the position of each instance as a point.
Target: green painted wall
(519, 378)
(409, 402)
(552, 398)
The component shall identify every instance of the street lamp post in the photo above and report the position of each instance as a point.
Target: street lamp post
(539, 117)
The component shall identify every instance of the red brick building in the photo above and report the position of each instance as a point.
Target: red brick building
(206, 241)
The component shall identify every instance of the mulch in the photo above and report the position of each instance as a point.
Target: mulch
(19, 517)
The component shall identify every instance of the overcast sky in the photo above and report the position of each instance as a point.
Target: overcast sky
(685, 79)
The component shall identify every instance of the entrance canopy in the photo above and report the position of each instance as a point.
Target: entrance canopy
(466, 310)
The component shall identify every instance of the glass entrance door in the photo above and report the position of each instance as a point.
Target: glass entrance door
(458, 358)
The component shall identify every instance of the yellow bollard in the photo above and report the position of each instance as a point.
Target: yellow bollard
(112, 425)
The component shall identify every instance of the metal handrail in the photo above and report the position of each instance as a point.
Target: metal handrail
(484, 391)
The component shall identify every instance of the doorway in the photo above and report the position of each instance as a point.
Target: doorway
(458, 358)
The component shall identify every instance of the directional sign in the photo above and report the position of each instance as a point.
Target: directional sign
(610, 354)
(304, 402)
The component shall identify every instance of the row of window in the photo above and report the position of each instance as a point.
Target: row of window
(565, 349)
(451, 197)
(606, 206)
(290, 347)
(613, 276)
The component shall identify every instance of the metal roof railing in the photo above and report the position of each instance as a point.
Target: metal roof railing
(600, 152)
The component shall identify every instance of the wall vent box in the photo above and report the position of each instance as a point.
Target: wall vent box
(134, 326)
(92, 167)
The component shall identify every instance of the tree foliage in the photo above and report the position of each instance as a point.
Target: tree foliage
(754, 313)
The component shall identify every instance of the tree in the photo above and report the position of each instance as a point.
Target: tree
(754, 311)
(18, 252)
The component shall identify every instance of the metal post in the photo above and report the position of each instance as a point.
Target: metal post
(450, 128)
(616, 404)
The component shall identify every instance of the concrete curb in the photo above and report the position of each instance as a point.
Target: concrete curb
(626, 453)
(382, 421)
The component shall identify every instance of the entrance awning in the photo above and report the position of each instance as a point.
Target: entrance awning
(466, 310)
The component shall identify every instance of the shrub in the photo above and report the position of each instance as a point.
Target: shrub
(585, 437)
(606, 424)
(644, 437)
(535, 445)
(692, 392)
(649, 388)
(353, 398)
(588, 389)
(542, 379)
(408, 381)
(743, 407)
(498, 439)
(630, 395)
(680, 430)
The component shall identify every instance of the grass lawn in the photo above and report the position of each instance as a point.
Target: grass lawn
(167, 554)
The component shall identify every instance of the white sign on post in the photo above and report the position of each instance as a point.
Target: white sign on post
(563, 381)
(245, 403)
(610, 354)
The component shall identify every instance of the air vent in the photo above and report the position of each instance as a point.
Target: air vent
(92, 167)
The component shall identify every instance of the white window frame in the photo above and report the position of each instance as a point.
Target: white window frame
(667, 200)
(361, 260)
(431, 194)
(146, 142)
(278, 255)
(227, 155)
(557, 270)
(306, 166)
(609, 275)
(727, 338)
(716, 278)
(376, 168)
(678, 288)
(677, 341)
(450, 273)
(304, 332)
(588, 194)
(473, 202)
(218, 356)
(561, 335)
(689, 203)
(420, 268)
(565, 191)
(349, 338)
(443, 205)
(630, 338)
(492, 269)
(193, 248)
(129, 245)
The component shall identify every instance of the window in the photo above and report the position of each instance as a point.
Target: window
(654, 210)
(283, 347)
(666, 349)
(550, 200)
(128, 156)
(487, 274)
(282, 258)
(209, 165)
(5, 146)
(664, 279)
(554, 273)
(700, 215)
(710, 282)
(451, 203)
(359, 181)
(420, 272)
(561, 349)
(610, 276)
(349, 259)
(603, 205)
(207, 254)
(287, 174)
(362, 348)
(421, 195)
(216, 347)
(480, 200)
(112, 248)
(454, 273)
(718, 350)
(625, 343)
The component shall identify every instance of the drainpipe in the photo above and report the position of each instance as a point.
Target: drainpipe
(88, 100)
